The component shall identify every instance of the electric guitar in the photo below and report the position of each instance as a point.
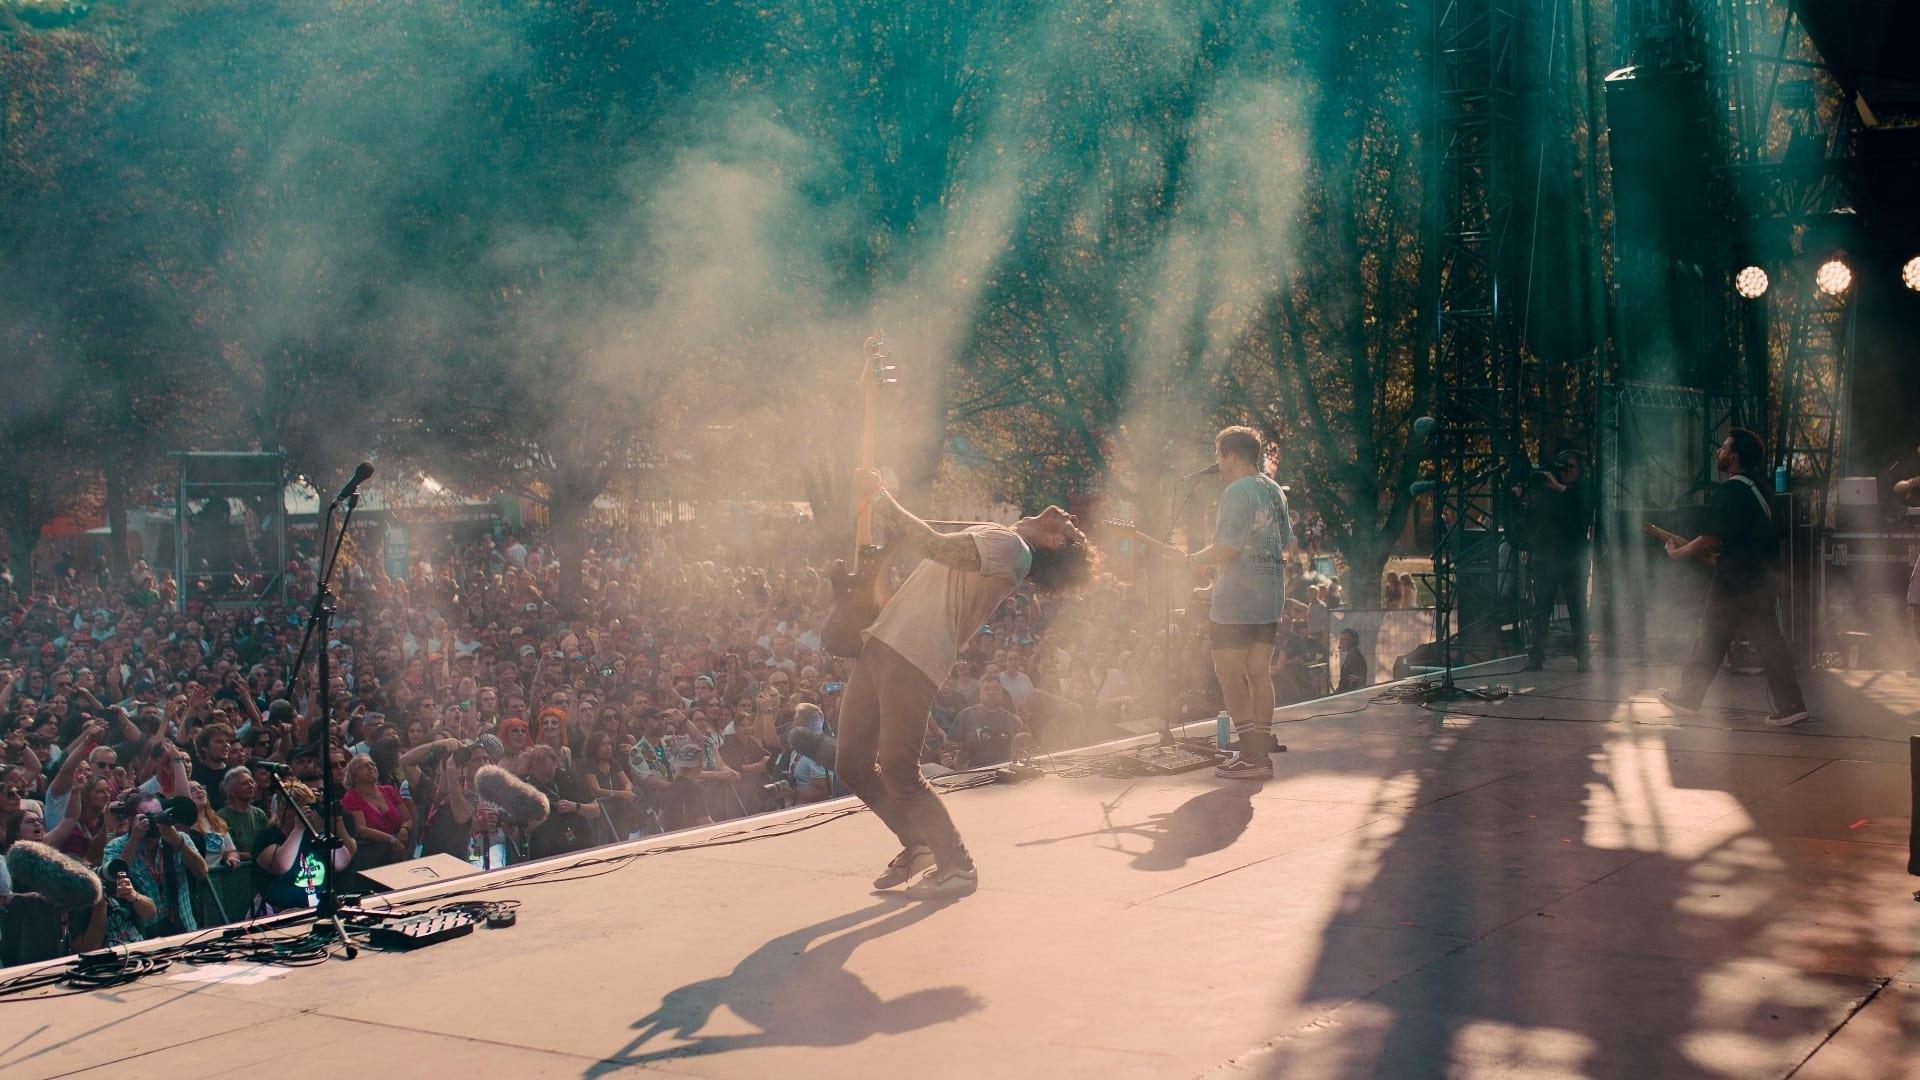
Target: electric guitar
(1203, 594)
(1160, 547)
(1711, 558)
(859, 593)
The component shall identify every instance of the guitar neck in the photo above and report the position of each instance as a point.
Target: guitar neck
(1160, 546)
(863, 513)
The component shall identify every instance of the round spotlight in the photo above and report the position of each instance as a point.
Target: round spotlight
(1834, 277)
(1910, 273)
(1751, 282)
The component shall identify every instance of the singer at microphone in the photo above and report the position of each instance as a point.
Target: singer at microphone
(1251, 534)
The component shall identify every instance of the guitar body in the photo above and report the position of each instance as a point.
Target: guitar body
(1662, 535)
(858, 596)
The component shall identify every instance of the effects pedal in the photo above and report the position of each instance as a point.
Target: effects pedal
(1167, 760)
(419, 931)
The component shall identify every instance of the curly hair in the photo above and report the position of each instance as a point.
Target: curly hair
(1065, 569)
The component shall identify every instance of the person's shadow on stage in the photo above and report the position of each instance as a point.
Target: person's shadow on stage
(797, 993)
(1204, 824)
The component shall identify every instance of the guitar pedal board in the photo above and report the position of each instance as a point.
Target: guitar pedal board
(1168, 760)
(419, 931)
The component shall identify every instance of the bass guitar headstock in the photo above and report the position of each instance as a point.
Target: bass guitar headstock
(878, 367)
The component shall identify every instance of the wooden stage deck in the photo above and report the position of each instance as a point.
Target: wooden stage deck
(1572, 883)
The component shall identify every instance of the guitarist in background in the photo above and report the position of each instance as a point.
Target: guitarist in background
(1740, 601)
(1251, 534)
(909, 650)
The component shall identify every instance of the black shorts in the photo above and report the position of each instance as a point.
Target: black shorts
(1241, 635)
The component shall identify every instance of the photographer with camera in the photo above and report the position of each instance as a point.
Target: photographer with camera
(457, 822)
(158, 862)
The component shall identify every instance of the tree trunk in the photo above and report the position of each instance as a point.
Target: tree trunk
(23, 529)
(567, 527)
(1366, 552)
(117, 556)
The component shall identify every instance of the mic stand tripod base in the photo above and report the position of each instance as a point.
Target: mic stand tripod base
(327, 909)
(1447, 690)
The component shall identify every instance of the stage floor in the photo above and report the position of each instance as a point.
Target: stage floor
(1573, 884)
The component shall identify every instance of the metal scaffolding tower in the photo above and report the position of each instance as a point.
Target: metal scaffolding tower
(1476, 332)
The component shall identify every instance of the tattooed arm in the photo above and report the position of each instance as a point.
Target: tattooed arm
(956, 550)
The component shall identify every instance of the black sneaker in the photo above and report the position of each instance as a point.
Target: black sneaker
(1239, 768)
(1535, 665)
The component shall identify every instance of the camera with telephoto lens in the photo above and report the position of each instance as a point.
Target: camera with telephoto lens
(438, 754)
(177, 811)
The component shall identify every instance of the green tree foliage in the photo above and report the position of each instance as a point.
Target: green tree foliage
(583, 247)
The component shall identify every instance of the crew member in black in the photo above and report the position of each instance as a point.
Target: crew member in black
(1740, 601)
(1562, 514)
(1907, 490)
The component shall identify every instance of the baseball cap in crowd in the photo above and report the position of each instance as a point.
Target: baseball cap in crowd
(492, 745)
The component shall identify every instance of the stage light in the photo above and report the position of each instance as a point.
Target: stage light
(1834, 277)
(1910, 273)
(1751, 282)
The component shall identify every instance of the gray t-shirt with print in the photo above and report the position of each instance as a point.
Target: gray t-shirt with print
(1253, 520)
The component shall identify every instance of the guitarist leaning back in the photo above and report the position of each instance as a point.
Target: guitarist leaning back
(912, 646)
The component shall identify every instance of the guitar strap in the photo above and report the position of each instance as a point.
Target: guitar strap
(1765, 507)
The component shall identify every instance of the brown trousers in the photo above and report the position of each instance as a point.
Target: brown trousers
(883, 721)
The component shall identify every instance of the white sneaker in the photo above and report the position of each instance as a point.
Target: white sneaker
(945, 884)
(909, 864)
(1788, 719)
(1672, 701)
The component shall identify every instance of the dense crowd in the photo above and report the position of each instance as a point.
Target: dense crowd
(685, 685)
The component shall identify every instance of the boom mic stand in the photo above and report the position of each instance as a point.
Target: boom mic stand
(325, 841)
(1183, 494)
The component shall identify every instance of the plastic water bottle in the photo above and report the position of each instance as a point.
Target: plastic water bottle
(1223, 729)
(1780, 478)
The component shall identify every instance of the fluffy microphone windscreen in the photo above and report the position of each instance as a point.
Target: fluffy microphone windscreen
(60, 879)
(522, 802)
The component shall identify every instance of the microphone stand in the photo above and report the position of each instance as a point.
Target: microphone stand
(1181, 498)
(328, 907)
(324, 840)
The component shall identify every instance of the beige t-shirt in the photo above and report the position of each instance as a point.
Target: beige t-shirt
(938, 609)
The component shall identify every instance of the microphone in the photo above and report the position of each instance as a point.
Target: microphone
(1211, 470)
(361, 474)
(59, 879)
(274, 767)
(521, 800)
